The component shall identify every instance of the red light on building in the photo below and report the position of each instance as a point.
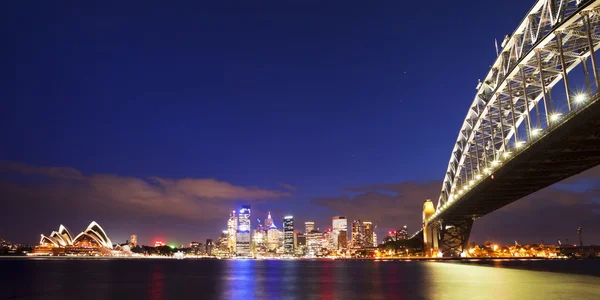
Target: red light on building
(158, 244)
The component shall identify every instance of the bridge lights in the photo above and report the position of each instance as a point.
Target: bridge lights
(580, 98)
(506, 154)
(487, 171)
(537, 131)
(478, 176)
(520, 144)
(495, 163)
(555, 117)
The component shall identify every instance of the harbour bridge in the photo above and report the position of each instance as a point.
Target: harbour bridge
(535, 121)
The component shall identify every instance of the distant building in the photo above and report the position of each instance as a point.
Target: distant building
(209, 247)
(133, 241)
(342, 240)
(339, 223)
(313, 242)
(375, 244)
(232, 227)
(243, 238)
(288, 235)
(309, 226)
(196, 248)
(402, 233)
(268, 221)
(272, 238)
(357, 234)
(367, 234)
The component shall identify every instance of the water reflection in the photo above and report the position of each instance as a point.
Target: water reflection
(157, 283)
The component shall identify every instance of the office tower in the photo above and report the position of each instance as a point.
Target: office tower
(402, 233)
(243, 238)
(223, 239)
(273, 237)
(288, 235)
(196, 248)
(357, 234)
(367, 234)
(342, 240)
(209, 246)
(375, 244)
(331, 239)
(133, 241)
(309, 226)
(268, 221)
(313, 242)
(232, 226)
(339, 223)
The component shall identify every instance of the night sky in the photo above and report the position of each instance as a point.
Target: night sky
(160, 118)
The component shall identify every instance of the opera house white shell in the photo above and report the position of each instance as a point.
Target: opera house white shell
(94, 235)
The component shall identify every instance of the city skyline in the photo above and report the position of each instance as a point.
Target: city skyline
(338, 118)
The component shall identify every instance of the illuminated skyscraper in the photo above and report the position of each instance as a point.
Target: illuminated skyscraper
(309, 226)
(209, 247)
(273, 237)
(342, 240)
(367, 234)
(288, 235)
(339, 223)
(375, 244)
(232, 226)
(133, 241)
(268, 221)
(357, 234)
(313, 242)
(243, 238)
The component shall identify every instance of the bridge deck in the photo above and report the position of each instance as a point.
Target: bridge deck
(571, 148)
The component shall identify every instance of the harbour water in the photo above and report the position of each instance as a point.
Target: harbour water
(297, 279)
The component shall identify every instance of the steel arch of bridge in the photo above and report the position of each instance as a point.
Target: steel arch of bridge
(554, 37)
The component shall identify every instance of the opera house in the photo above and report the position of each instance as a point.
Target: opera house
(92, 241)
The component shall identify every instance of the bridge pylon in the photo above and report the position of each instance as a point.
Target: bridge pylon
(430, 231)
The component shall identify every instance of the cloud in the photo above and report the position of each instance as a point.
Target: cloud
(289, 186)
(191, 198)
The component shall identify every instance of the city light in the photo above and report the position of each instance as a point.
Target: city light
(580, 98)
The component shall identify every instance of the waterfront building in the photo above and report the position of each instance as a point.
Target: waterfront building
(232, 226)
(375, 244)
(309, 226)
(342, 240)
(209, 247)
(93, 240)
(313, 242)
(357, 234)
(367, 234)
(196, 248)
(243, 238)
(339, 223)
(288, 232)
(272, 238)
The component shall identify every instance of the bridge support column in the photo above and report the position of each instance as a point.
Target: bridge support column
(431, 239)
(454, 237)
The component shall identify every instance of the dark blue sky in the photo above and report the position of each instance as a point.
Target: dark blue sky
(319, 95)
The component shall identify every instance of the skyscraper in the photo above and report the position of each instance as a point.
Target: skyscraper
(357, 234)
(232, 227)
(209, 246)
(343, 240)
(367, 234)
(375, 244)
(268, 221)
(133, 241)
(273, 237)
(339, 224)
(309, 226)
(288, 235)
(243, 238)
(313, 242)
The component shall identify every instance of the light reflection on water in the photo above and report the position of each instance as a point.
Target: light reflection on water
(278, 279)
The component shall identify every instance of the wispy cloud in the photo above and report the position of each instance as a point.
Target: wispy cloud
(188, 197)
(289, 186)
